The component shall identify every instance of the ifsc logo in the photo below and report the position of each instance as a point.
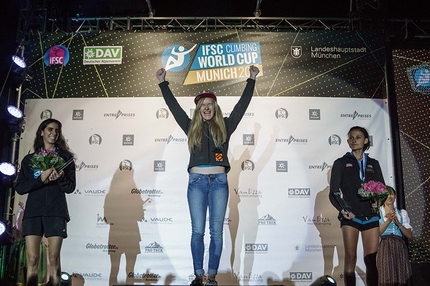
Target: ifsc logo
(176, 58)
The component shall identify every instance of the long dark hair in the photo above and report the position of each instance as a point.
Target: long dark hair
(60, 144)
(365, 133)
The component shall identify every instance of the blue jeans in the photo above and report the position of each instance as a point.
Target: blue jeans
(207, 191)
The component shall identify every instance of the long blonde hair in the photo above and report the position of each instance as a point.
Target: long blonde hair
(216, 127)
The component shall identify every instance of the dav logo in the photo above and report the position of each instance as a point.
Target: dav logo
(256, 247)
(301, 276)
(102, 55)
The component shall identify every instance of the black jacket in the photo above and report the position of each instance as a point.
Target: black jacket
(345, 176)
(46, 199)
(208, 152)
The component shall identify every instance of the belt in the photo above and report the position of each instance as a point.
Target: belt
(208, 170)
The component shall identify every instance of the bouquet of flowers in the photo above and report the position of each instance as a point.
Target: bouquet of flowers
(374, 191)
(44, 160)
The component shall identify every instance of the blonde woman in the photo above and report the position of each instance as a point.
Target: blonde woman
(393, 263)
(208, 137)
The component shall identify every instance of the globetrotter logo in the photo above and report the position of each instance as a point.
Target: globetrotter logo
(95, 139)
(334, 139)
(419, 78)
(57, 55)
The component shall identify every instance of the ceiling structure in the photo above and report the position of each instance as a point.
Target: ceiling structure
(404, 22)
(398, 19)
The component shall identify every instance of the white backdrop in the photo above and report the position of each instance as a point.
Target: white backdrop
(131, 188)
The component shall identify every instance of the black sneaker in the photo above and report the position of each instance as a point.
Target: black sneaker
(198, 281)
(211, 282)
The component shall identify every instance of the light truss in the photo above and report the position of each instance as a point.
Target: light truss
(419, 29)
(211, 23)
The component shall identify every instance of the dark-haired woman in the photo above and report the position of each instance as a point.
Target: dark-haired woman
(394, 268)
(356, 215)
(46, 212)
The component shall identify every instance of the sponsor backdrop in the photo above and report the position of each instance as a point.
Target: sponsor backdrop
(129, 214)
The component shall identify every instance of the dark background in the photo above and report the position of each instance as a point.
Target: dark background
(63, 9)
(376, 11)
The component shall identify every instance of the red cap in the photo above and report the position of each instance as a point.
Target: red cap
(204, 93)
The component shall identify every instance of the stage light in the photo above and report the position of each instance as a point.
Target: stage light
(15, 118)
(5, 236)
(325, 280)
(7, 174)
(20, 70)
(66, 279)
(19, 62)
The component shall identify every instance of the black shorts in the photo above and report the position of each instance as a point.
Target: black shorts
(48, 226)
(361, 225)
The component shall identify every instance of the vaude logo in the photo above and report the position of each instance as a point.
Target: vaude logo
(300, 276)
(159, 166)
(314, 114)
(248, 139)
(281, 166)
(78, 114)
(127, 140)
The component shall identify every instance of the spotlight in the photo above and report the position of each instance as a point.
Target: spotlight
(7, 174)
(19, 62)
(325, 280)
(15, 118)
(66, 279)
(5, 236)
(19, 68)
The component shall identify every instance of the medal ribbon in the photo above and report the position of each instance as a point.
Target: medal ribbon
(362, 165)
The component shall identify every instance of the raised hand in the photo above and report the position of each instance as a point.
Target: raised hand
(253, 72)
(161, 74)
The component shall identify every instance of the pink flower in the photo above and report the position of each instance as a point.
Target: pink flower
(374, 187)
